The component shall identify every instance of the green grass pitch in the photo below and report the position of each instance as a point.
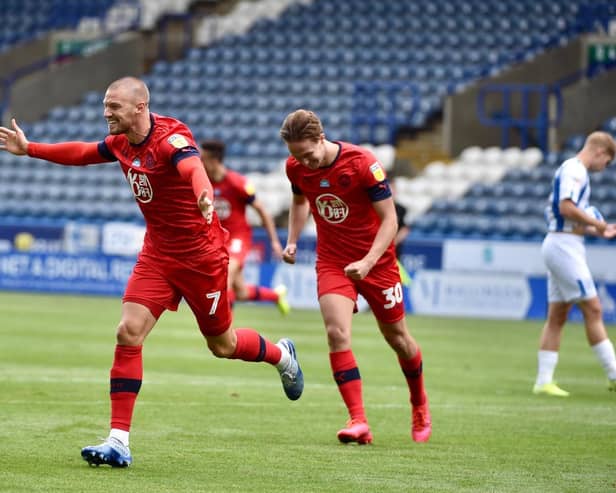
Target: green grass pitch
(207, 425)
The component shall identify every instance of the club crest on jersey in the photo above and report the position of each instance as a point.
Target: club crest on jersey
(344, 180)
(324, 183)
(222, 208)
(377, 171)
(178, 141)
(140, 185)
(149, 161)
(331, 208)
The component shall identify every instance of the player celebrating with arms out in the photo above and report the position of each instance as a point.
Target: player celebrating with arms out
(232, 193)
(183, 255)
(346, 189)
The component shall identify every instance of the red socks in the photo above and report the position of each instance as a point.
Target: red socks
(125, 381)
(252, 347)
(413, 372)
(346, 375)
(127, 372)
(261, 293)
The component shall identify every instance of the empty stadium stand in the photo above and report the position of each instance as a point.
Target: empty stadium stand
(512, 206)
(328, 55)
(23, 20)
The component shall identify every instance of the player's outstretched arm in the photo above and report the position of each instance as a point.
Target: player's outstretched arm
(13, 140)
(66, 153)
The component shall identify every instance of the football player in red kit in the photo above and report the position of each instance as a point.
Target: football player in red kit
(232, 193)
(345, 188)
(184, 253)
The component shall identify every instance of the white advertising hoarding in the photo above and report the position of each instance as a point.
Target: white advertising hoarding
(519, 257)
(470, 294)
(490, 256)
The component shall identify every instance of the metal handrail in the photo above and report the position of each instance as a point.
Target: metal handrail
(525, 122)
(368, 91)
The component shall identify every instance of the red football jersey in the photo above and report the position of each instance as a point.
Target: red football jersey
(231, 196)
(340, 197)
(175, 225)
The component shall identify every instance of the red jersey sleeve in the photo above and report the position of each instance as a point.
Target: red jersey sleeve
(192, 171)
(70, 153)
(290, 170)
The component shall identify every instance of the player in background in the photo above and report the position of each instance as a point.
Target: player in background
(346, 189)
(564, 254)
(403, 228)
(232, 193)
(184, 253)
(403, 231)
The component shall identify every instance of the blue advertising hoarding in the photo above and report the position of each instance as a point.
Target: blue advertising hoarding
(471, 278)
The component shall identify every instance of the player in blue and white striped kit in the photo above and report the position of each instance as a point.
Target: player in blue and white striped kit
(569, 278)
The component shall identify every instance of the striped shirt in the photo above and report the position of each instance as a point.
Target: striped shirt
(570, 182)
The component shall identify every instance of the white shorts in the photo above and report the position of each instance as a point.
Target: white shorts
(569, 278)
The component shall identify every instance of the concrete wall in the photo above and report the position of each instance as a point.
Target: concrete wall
(587, 105)
(33, 96)
(461, 124)
(21, 56)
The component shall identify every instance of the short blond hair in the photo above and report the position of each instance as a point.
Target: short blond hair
(301, 125)
(601, 141)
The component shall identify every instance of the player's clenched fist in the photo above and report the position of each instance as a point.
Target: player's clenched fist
(288, 254)
(206, 206)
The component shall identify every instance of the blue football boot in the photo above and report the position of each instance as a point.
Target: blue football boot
(111, 452)
(291, 376)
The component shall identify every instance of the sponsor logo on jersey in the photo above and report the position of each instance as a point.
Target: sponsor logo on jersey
(324, 183)
(178, 141)
(377, 171)
(136, 163)
(140, 185)
(331, 208)
(222, 208)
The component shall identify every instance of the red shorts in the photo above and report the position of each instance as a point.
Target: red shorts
(239, 248)
(381, 288)
(160, 282)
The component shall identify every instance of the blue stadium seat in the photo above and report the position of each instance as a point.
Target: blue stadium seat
(241, 87)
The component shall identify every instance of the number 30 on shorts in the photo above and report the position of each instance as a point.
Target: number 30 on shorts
(392, 296)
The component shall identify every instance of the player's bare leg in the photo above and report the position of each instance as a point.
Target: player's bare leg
(598, 338)
(241, 291)
(547, 357)
(409, 357)
(337, 312)
(125, 382)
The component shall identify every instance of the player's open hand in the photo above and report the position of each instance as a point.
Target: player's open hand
(13, 141)
(609, 232)
(289, 253)
(206, 207)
